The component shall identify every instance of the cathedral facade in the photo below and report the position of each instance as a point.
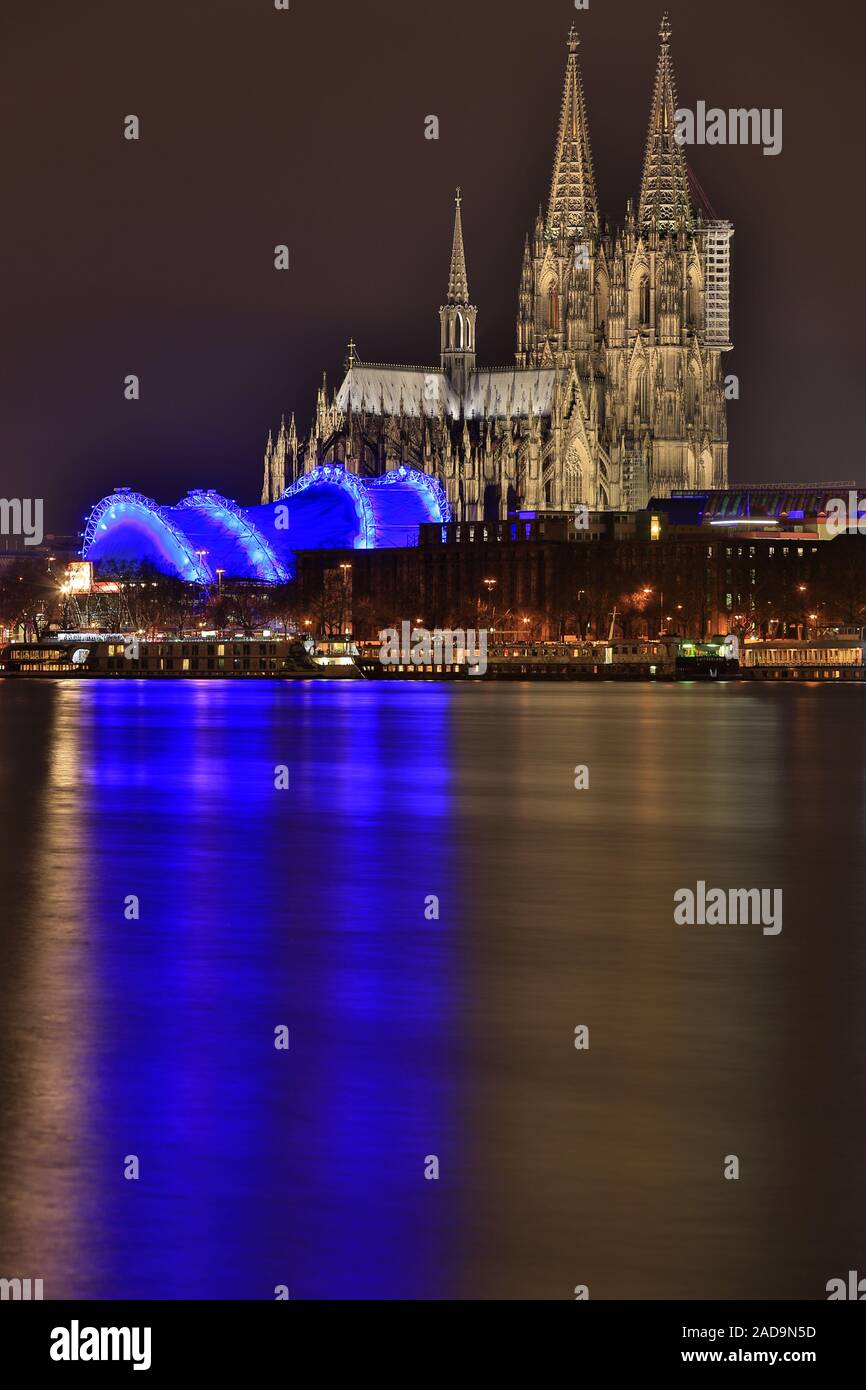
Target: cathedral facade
(617, 393)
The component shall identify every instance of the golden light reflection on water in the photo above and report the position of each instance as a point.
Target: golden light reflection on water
(606, 1167)
(45, 1146)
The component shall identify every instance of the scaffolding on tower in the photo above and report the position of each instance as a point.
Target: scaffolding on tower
(717, 297)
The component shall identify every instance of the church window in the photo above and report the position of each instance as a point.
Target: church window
(553, 310)
(644, 303)
(694, 305)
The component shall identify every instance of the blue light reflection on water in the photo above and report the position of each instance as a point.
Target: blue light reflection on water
(306, 908)
(261, 908)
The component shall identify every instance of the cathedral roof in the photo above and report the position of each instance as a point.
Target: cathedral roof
(386, 390)
(506, 393)
(511, 392)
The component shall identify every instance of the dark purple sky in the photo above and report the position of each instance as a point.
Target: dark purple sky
(306, 127)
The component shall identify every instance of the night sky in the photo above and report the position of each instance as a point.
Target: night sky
(261, 127)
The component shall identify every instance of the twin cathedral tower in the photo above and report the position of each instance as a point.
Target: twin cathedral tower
(617, 393)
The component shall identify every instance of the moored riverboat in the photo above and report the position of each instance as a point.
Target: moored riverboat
(87, 656)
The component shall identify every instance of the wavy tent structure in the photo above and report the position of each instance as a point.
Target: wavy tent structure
(207, 534)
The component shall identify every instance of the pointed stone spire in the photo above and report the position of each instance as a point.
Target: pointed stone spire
(573, 209)
(664, 198)
(458, 281)
(267, 488)
(322, 409)
(292, 469)
(278, 464)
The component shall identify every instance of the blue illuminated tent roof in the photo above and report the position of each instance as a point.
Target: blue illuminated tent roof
(327, 509)
(402, 500)
(128, 528)
(231, 540)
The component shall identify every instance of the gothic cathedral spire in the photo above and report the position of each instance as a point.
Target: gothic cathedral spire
(573, 209)
(458, 281)
(664, 198)
(457, 316)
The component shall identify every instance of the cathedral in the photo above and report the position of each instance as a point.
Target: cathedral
(617, 392)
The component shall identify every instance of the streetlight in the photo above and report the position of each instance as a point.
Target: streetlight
(648, 592)
(219, 575)
(345, 570)
(490, 586)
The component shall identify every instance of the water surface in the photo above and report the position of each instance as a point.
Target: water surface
(413, 1038)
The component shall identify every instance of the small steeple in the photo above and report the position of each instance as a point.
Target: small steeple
(457, 317)
(664, 198)
(573, 209)
(458, 281)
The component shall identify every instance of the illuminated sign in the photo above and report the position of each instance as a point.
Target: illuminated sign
(79, 577)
